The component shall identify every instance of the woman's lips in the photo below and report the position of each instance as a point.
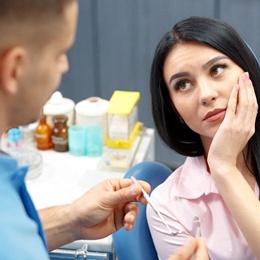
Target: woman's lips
(214, 115)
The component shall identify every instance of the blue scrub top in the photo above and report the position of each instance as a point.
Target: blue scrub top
(21, 233)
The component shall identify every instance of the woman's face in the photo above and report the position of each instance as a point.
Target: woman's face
(200, 79)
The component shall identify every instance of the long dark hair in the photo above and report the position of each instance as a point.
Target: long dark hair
(222, 37)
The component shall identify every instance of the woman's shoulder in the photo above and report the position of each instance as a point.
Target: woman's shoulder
(187, 172)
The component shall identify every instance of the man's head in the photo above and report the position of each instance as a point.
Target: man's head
(35, 37)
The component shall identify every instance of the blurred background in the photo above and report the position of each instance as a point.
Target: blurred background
(116, 40)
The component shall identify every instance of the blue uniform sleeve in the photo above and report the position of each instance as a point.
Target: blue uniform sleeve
(21, 234)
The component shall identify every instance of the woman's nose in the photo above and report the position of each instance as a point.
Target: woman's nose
(207, 93)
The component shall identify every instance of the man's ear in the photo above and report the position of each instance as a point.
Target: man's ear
(11, 67)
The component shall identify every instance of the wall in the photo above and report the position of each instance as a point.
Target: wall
(116, 40)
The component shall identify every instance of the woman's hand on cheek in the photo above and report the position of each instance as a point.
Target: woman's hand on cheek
(237, 127)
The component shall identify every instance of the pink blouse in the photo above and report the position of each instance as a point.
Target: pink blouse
(187, 199)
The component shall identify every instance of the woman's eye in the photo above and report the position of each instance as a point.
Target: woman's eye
(217, 69)
(182, 85)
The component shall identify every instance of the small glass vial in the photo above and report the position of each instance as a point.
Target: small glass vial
(43, 134)
(60, 133)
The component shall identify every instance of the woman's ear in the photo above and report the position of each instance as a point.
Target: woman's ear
(11, 67)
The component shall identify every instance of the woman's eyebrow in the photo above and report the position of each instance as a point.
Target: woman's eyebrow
(212, 61)
(204, 66)
(178, 75)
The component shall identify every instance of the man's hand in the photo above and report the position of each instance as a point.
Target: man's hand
(100, 212)
(107, 207)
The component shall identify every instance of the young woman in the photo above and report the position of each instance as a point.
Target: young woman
(205, 88)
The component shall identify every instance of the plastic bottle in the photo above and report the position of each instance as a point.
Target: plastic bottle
(24, 155)
(43, 134)
(59, 105)
(14, 136)
(60, 133)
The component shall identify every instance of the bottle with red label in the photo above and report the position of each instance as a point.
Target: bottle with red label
(60, 133)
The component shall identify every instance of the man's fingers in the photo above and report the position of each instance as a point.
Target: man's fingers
(131, 213)
(131, 191)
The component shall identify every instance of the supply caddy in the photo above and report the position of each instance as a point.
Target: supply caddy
(122, 119)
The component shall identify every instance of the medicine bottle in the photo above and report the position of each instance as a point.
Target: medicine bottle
(60, 133)
(43, 134)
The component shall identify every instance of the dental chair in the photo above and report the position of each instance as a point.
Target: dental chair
(138, 244)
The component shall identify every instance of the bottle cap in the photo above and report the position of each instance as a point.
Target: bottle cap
(58, 105)
(60, 119)
(92, 107)
(14, 135)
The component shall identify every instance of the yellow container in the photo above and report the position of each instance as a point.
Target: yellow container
(122, 119)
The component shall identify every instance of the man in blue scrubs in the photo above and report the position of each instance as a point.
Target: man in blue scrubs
(35, 37)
